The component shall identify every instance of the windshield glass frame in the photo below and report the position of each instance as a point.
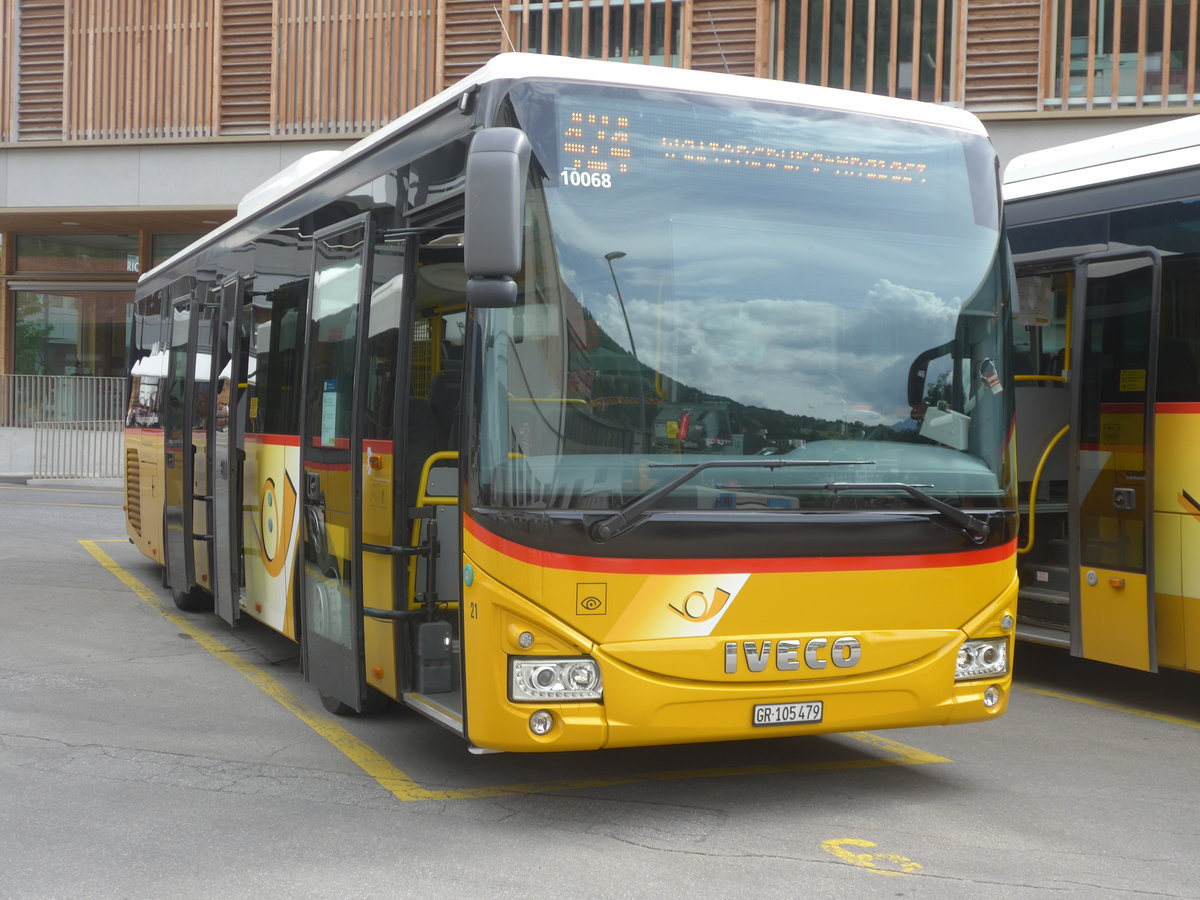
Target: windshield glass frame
(599, 419)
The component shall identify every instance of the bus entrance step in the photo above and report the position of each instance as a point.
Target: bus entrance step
(1043, 595)
(1043, 634)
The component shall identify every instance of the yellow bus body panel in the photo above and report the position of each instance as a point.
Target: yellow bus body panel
(665, 683)
(271, 530)
(144, 491)
(379, 637)
(1176, 532)
(1115, 612)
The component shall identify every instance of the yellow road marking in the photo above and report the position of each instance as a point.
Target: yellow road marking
(1114, 707)
(838, 847)
(54, 490)
(403, 787)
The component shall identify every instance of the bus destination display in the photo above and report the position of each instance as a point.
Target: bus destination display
(597, 148)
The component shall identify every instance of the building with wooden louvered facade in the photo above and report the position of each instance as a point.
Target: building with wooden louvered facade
(127, 127)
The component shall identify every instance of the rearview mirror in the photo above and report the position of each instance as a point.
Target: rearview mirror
(497, 166)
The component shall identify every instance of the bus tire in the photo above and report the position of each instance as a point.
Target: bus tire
(336, 706)
(193, 600)
(377, 701)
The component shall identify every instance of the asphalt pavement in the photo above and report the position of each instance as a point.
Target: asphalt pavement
(149, 753)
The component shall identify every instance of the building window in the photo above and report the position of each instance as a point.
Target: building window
(69, 331)
(600, 29)
(164, 246)
(1121, 53)
(94, 254)
(905, 48)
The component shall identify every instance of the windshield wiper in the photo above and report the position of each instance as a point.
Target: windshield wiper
(976, 529)
(627, 516)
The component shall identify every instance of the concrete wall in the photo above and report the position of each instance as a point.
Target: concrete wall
(165, 176)
(1012, 137)
(16, 452)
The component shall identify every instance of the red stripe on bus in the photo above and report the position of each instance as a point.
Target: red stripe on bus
(1178, 408)
(626, 566)
(283, 440)
(327, 467)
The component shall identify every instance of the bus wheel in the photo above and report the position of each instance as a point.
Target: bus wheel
(377, 701)
(336, 706)
(194, 600)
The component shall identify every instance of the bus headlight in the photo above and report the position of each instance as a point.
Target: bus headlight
(537, 679)
(982, 659)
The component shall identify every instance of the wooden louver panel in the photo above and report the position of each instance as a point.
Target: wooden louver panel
(6, 48)
(1109, 54)
(723, 35)
(897, 48)
(472, 35)
(40, 66)
(1002, 54)
(139, 69)
(247, 36)
(349, 66)
(650, 32)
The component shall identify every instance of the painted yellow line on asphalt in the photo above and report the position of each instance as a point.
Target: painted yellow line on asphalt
(1114, 707)
(891, 863)
(58, 490)
(403, 787)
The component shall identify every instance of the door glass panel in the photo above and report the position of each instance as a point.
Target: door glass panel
(332, 608)
(207, 357)
(334, 328)
(174, 419)
(1114, 370)
(230, 375)
(380, 517)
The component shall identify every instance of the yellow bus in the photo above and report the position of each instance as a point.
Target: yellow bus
(1105, 235)
(592, 405)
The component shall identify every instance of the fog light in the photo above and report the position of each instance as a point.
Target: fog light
(991, 696)
(982, 659)
(542, 721)
(1007, 623)
(525, 640)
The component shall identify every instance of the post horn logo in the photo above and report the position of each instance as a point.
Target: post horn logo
(696, 607)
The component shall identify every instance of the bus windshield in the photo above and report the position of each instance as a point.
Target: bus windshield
(707, 279)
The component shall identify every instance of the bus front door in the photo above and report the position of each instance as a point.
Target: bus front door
(228, 373)
(331, 620)
(1111, 484)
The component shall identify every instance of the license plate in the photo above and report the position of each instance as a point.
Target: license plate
(789, 713)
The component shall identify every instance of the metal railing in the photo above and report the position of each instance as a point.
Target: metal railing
(26, 400)
(88, 449)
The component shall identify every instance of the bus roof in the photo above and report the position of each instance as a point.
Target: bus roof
(311, 169)
(1163, 147)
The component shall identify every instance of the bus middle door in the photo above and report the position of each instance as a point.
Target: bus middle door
(1111, 485)
(185, 420)
(226, 426)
